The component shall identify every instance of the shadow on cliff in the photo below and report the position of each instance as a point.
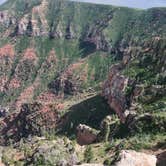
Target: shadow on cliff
(161, 159)
(90, 112)
(87, 48)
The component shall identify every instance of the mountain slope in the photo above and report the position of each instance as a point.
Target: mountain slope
(55, 56)
(74, 22)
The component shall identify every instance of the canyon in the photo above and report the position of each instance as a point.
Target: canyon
(82, 80)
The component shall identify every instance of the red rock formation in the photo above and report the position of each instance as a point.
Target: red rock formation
(30, 54)
(70, 81)
(9, 127)
(47, 97)
(42, 120)
(25, 96)
(114, 90)
(14, 84)
(50, 64)
(7, 51)
(35, 119)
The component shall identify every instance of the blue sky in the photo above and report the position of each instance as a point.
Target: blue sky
(1, 1)
(130, 3)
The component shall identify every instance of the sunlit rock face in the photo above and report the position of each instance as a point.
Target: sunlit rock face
(114, 90)
(132, 158)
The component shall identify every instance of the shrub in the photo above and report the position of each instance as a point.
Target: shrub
(88, 154)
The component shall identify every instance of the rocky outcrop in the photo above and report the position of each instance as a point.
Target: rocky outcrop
(130, 85)
(6, 19)
(69, 82)
(132, 158)
(93, 38)
(34, 24)
(117, 90)
(86, 135)
(62, 86)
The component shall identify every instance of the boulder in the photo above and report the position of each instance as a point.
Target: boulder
(86, 135)
(133, 158)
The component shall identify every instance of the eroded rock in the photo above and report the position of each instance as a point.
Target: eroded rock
(116, 91)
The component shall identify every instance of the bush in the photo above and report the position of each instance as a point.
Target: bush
(88, 154)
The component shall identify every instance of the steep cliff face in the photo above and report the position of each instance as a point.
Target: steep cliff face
(115, 91)
(130, 86)
(35, 24)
